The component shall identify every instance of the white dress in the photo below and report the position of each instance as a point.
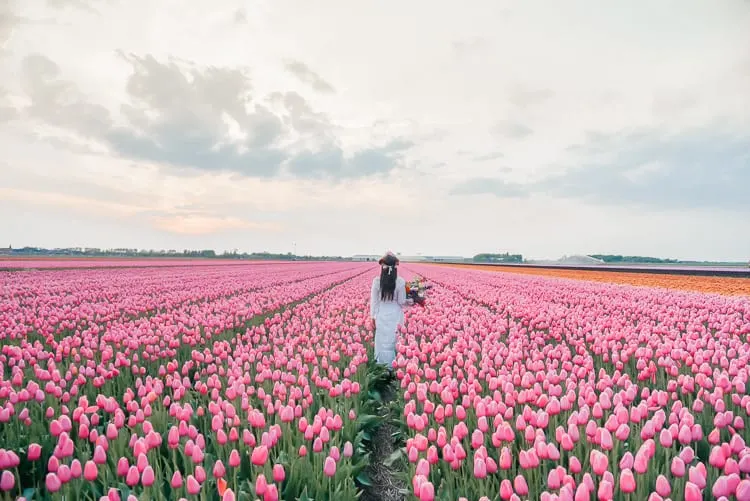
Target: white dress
(388, 316)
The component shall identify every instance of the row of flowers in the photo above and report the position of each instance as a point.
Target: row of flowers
(210, 383)
(523, 387)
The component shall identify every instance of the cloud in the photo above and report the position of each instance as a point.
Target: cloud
(78, 4)
(489, 156)
(512, 130)
(704, 168)
(8, 112)
(308, 76)
(489, 186)
(330, 162)
(201, 120)
(58, 102)
(9, 22)
(199, 224)
(468, 46)
(647, 168)
(80, 204)
(524, 97)
(240, 16)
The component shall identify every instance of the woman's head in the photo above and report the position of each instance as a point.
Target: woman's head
(388, 275)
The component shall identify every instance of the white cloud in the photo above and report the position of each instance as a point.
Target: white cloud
(435, 97)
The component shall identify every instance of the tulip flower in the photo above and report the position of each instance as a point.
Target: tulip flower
(7, 481)
(329, 467)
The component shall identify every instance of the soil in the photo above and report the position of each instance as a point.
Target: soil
(386, 485)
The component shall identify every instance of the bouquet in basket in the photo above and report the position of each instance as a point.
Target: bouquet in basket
(416, 291)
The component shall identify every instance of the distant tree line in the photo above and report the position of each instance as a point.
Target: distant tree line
(498, 258)
(616, 258)
(144, 253)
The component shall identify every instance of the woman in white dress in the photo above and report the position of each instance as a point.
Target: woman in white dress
(387, 299)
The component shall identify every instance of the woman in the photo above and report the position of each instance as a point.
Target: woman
(387, 299)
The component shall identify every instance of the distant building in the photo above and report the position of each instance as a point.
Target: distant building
(365, 257)
(410, 259)
(579, 260)
(446, 259)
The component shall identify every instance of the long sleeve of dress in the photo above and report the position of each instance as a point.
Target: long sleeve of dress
(401, 294)
(374, 299)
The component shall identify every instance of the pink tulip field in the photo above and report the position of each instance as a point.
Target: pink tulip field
(257, 382)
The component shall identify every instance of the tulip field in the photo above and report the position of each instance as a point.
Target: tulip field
(257, 382)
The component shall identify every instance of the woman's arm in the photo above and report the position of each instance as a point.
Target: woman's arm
(401, 295)
(374, 299)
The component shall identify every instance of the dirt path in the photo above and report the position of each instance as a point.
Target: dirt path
(386, 484)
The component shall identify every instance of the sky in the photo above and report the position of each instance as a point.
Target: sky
(338, 127)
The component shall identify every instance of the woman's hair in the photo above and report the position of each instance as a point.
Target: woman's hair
(388, 275)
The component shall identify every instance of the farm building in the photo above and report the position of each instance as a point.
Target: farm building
(365, 257)
(582, 260)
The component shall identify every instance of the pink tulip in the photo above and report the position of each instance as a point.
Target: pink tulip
(219, 471)
(133, 476)
(329, 467)
(90, 471)
(193, 487)
(692, 492)
(122, 467)
(605, 491)
(742, 492)
(148, 477)
(627, 481)
(582, 493)
(506, 489)
(52, 482)
(7, 481)
(520, 485)
(34, 452)
(259, 455)
(663, 488)
(261, 485)
(678, 467)
(176, 481)
(427, 492)
(599, 462)
(278, 473)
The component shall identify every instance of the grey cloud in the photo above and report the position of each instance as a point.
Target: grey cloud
(89, 5)
(301, 117)
(672, 104)
(523, 97)
(489, 186)
(511, 130)
(58, 102)
(331, 162)
(489, 156)
(308, 76)
(182, 119)
(9, 21)
(7, 111)
(698, 169)
(240, 16)
(701, 168)
(464, 47)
